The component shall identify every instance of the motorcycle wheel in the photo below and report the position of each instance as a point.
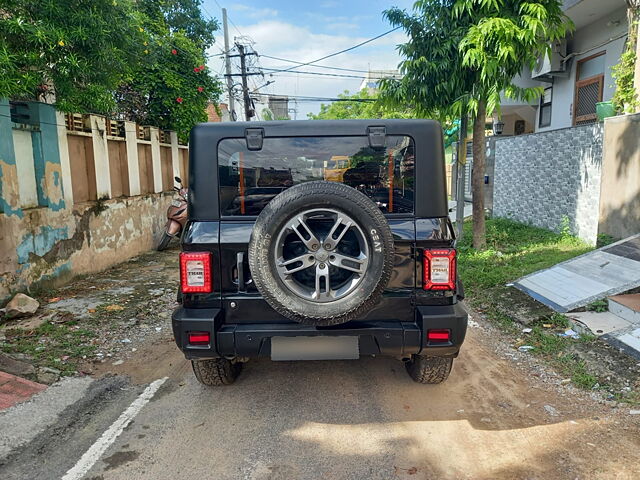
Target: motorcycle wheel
(164, 242)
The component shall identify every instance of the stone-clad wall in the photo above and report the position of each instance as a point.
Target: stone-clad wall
(551, 178)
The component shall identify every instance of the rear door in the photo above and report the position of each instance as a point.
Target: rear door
(249, 179)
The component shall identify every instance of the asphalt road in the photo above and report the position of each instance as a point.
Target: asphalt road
(362, 419)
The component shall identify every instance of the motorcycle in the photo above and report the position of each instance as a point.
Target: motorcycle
(176, 216)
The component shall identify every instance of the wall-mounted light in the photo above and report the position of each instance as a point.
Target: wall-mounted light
(498, 127)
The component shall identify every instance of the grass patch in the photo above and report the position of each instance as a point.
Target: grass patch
(49, 343)
(514, 250)
(598, 306)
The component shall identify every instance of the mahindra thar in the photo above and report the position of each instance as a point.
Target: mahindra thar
(318, 240)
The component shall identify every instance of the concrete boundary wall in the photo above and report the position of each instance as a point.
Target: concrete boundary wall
(619, 214)
(58, 217)
(551, 179)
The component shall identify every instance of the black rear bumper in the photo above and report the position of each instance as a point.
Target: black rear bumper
(385, 337)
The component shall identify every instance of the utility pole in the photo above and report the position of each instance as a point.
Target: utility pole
(461, 171)
(248, 111)
(227, 61)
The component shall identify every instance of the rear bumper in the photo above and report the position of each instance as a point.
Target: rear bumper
(383, 337)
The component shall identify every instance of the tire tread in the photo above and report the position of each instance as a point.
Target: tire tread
(215, 372)
(429, 370)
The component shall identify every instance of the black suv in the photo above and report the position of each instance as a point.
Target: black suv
(317, 240)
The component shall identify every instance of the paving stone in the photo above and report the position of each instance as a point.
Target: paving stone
(15, 390)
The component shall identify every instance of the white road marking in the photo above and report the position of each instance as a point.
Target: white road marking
(96, 450)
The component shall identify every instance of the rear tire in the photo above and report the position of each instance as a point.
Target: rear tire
(164, 242)
(429, 370)
(216, 371)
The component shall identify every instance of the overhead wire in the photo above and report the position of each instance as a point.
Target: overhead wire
(315, 66)
(343, 51)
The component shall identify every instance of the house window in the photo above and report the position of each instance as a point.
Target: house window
(545, 107)
(589, 86)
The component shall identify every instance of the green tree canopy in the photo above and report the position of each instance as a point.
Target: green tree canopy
(74, 50)
(360, 105)
(170, 85)
(141, 60)
(462, 55)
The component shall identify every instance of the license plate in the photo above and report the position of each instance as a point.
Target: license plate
(315, 348)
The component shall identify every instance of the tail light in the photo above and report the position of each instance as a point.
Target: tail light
(195, 272)
(199, 338)
(439, 272)
(439, 335)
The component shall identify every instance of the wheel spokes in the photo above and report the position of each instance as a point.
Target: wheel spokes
(353, 264)
(312, 242)
(323, 286)
(330, 242)
(305, 260)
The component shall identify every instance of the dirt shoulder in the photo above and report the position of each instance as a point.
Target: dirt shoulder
(98, 320)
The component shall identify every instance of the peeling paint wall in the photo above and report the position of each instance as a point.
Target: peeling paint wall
(53, 246)
(59, 236)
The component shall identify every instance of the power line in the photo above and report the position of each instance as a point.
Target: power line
(370, 77)
(303, 98)
(315, 66)
(229, 18)
(275, 71)
(343, 51)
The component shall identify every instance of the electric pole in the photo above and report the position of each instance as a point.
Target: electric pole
(461, 171)
(248, 111)
(227, 61)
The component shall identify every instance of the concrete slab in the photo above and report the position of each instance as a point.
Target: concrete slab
(626, 306)
(627, 340)
(581, 280)
(600, 323)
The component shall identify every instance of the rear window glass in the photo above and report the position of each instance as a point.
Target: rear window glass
(250, 179)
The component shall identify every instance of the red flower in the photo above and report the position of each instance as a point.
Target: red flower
(201, 67)
(200, 89)
(174, 51)
(196, 69)
(179, 99)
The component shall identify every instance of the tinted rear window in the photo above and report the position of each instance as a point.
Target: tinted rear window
(250, 179)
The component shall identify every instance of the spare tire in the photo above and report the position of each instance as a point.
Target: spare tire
(321, 253)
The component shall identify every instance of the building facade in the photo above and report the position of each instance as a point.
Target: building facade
(578, 73)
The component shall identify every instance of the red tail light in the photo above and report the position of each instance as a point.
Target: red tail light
(195, 272)
(439, 336)
(199, 338)
(439, 272)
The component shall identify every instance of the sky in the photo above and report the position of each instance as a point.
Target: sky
(306, 30)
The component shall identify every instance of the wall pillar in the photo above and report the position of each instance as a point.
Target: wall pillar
(46, 156)
(65, 165)
(101, 157)
(155, 159)
(175, 154)
(130, 129)
(9, 193)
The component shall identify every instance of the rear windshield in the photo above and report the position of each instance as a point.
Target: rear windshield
(250, 179)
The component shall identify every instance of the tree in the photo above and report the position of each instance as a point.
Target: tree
(360, 105)
(171, 85)
(627, 72)
(75, 52)
(463, 54)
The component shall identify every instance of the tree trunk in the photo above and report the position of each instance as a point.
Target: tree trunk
(477, 176)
